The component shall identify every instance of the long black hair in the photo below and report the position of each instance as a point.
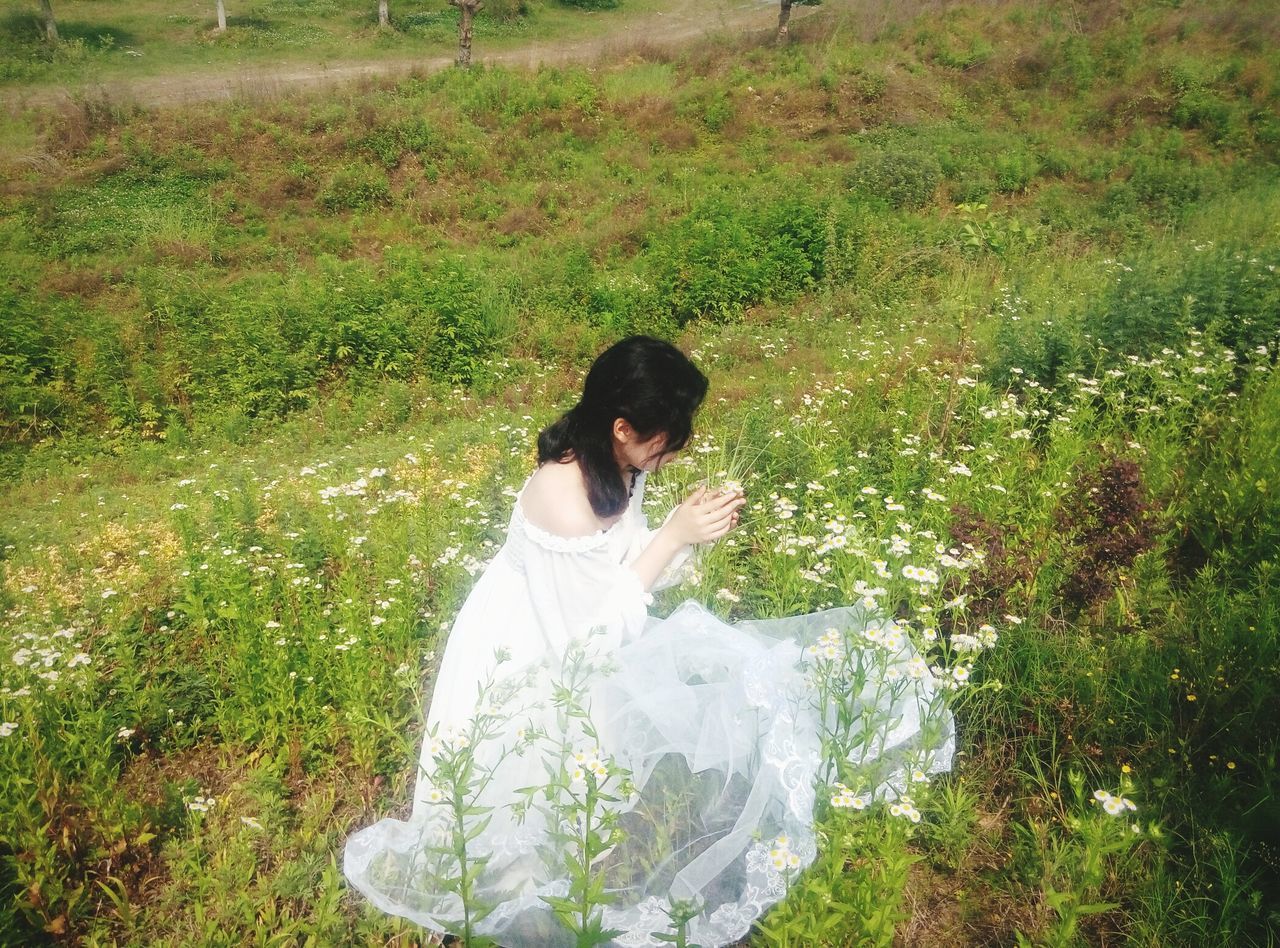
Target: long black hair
(646, 381)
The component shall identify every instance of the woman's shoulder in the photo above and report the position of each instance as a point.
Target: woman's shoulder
(555, 500)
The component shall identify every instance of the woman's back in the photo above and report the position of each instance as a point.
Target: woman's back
(555, 500)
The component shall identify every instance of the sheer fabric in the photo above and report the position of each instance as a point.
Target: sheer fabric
(714, 722)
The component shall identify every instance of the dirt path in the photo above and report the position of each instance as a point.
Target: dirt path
(671, 29)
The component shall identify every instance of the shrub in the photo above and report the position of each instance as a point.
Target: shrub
(388, 144)
(506, 11)
(1165, 185)
(592, 4)
(1015, 170)
(1042, 350)
(904, 178)
(1075, 66)
(356, 186)
(964, 56)
(34, 401)
(722, 257)
(1197, 104)
(1231, 502)
(1224, 290)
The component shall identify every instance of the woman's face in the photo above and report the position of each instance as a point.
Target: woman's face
(646, 454)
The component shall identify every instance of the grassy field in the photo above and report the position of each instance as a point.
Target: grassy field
(991, 293)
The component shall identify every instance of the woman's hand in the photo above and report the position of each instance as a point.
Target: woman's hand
(706, 516)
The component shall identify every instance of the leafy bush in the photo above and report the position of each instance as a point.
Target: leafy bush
(1226, 291)
(33, 399)
(722, 257)
(902, 177)
(1167, 186)
(1198, 104)
(1044, 350)
(1015, 170)
(964, 56)
(389, 143)
(712, 109)
(1232, 502)
(1074, 65)
(356, 186)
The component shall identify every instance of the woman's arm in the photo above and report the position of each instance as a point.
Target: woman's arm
(700, 519)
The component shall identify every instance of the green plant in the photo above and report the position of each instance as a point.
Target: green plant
(355, 186)
(903, 178)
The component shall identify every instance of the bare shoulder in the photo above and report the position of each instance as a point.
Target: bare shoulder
(555, 500)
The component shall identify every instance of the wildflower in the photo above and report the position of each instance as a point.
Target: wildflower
(7, 728)
(905, 809)
(1114, 805)
(124, 733)
(781, 855)
(844, 798)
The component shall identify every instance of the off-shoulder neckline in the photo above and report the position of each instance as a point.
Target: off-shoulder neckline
(557, 539)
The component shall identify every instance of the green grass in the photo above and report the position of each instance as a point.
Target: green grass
(236, 308)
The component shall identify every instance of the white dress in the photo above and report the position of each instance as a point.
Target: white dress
(707, 736)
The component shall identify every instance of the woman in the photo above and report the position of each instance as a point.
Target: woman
(692, 746)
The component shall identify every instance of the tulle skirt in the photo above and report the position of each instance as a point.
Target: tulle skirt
(675, 773)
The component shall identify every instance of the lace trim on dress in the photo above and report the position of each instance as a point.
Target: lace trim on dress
(553, 541)
(559, 544)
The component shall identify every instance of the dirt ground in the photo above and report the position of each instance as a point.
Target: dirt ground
(672, 29)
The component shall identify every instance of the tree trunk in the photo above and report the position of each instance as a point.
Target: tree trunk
(49, 23)
(468, 9)
(384, 17)
(222, 16)
(784, 14)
